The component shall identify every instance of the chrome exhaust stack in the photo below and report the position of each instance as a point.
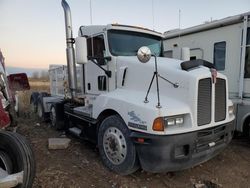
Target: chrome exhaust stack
(70, 51)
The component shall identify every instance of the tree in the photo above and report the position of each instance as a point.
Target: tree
(44, 75)
(35, 75)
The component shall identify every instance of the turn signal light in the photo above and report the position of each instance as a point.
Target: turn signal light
(159, 124)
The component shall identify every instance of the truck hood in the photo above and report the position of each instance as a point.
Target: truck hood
(138, 77)
(133, 79)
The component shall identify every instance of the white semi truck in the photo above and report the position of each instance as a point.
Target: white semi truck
(225, 43)
(142, 110)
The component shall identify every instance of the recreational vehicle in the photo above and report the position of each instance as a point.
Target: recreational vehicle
(225, 43)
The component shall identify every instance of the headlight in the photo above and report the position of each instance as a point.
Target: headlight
(160, 123)
(174, 120)
(231, 110)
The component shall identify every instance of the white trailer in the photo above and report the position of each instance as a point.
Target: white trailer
(154, 113)
(226, 43)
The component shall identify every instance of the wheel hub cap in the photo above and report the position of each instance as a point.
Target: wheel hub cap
(115, 146)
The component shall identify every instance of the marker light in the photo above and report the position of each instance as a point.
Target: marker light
(158, 124)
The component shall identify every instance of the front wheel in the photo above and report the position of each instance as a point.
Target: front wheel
(115, 146)
(246, 128)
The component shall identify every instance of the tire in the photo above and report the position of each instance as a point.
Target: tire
(246, 128)
(44, 116)
(17, 156)
(33, 102)
(117, 151)
(40, 111)
(53, 116)
(56, 116)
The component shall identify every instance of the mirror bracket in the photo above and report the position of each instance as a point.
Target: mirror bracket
(94, 59)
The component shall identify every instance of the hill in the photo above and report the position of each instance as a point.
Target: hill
(28, 71)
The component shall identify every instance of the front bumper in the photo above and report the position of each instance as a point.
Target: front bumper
(182, 151)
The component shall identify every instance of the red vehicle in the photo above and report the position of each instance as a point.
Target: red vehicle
(4, 116)
(17, 164)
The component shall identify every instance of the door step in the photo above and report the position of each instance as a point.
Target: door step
(83, 110)
(75, 131)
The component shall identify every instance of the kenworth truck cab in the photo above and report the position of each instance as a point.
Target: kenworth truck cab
(143, 110)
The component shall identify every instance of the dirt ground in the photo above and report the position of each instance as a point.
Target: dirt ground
(80, 164)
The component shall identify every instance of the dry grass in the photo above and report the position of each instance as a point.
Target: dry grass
(39, 85)
(24, 96)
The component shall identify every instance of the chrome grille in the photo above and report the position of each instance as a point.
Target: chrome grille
(220, 100)
(204, 101)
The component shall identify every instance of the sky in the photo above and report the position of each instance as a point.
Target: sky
(32, 32)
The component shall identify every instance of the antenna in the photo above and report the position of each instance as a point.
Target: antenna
(91, 22)
(179, 22)
(153, 15)
(90, 11)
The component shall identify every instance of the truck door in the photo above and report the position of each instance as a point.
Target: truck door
(96, 81)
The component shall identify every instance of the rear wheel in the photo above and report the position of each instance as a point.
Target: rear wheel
(115, 146)
(40, 110)
(56, 116)
(33, 102)
(16, 156)
(53, 116)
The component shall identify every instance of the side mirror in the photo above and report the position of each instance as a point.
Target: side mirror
(81, 50)
(144, 54)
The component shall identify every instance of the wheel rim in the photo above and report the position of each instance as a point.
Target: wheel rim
(115, 146)
(39, 111)
(53, 116)
(5, 162)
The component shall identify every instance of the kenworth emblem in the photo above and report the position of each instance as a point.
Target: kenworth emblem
(214, 75)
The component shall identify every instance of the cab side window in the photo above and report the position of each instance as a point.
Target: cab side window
(96, 48)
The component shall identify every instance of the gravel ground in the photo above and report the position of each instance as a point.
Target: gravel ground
(80, 166)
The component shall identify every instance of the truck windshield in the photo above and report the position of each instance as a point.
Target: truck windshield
(127, 43)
